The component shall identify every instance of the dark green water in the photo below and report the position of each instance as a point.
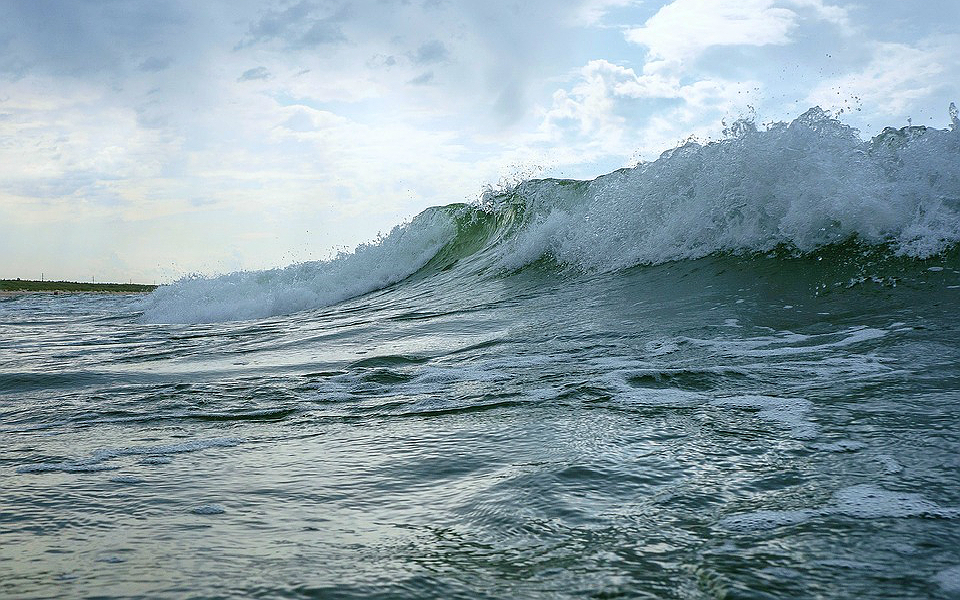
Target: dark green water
(725, 427)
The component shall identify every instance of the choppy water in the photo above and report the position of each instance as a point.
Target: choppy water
(707, 377)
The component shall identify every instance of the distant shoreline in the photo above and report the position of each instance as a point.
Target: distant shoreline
(14, 287)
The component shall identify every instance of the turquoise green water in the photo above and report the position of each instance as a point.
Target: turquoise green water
(513, 416)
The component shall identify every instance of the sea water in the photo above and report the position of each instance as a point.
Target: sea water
(733, 372)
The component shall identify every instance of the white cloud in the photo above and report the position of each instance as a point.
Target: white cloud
(682, 30)
(68, 141)
(596, 111)
(837, 15)
(592, 12)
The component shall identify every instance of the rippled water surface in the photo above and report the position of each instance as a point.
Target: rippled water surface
(733, 372)
(730, 427)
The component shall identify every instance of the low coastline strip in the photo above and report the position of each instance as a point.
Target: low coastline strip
(26, 286)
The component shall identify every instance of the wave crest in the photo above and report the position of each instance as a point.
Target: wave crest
(806, 184)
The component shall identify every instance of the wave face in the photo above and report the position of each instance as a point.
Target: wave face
(798, 186)
(302, 286)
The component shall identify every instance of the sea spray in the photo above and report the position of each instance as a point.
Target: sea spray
(803, 185)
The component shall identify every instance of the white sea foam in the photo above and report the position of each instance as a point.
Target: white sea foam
(767, 519)
(662, 397)
(95, 462)
(131, 479)
(787, 343)
(805, 184)
(661, 347)
(789, 412)
(871, 502)
(949, 579)
(889, 464)
(860, 501)
(209, 509)
(841, 446)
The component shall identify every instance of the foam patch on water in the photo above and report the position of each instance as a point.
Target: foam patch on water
(666, 397)
(420, 388)
(128, 479)
(860, 501)
(95, 461)
(661, 347)
(209, 509)
(768, 519)
(787, 343)
(415, 381)
(949, 579)
(789, 412)
(668, 392)
(840, 446)
(870, 502)
(889, 464)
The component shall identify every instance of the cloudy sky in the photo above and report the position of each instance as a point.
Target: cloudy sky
(146, 140)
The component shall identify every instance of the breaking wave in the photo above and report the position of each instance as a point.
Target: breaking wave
(798, 186)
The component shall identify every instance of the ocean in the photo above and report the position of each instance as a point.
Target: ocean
(732, 372)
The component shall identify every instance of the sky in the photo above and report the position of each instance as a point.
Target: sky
(147, 140)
